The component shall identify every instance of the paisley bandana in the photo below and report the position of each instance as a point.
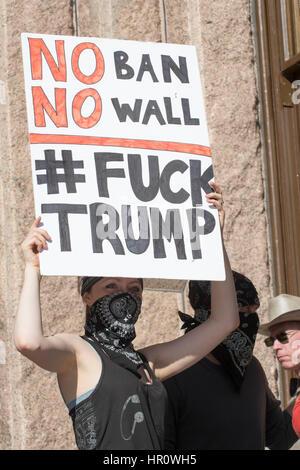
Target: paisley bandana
(111, 324)
(235, 352)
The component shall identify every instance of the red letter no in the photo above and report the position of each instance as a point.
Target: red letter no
(37, 47)
(41, 104)
(86, 122)
(99, 70)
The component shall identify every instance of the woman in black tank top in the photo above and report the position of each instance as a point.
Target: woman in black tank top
(125, 409)
(122, 412)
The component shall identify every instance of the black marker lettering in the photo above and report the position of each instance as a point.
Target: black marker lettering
(181, 72)
(153, 110)
(169, 228)
(124, 110)
(169, 112)
(102, 172)
(143, 193)
(196, 230)
(140, 245)
(52, 178)
(123, 70)
(188, 120)
(105, 231)
(166, 192)
(63, 210)
(199, 181)
(146, 66)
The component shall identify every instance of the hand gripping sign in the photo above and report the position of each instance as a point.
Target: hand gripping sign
(120, 158)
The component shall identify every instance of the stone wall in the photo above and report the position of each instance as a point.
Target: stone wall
(33, 415)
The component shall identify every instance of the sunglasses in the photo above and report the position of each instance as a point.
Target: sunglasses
(281, 337)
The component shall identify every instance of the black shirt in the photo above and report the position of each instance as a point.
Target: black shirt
(121, 413)
(207, 412)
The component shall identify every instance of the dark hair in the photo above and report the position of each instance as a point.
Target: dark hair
(86, 283)
(200, 294)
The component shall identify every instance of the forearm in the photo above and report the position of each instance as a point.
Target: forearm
(28, 329)
(224, 307)
(170, 358)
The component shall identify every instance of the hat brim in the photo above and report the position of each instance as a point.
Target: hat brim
(264, 329)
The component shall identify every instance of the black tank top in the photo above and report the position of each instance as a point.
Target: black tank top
(122, 413)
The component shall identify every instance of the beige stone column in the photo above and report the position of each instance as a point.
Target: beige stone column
(30, 416)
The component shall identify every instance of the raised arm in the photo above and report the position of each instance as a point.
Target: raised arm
(51, 353)
(168, 359)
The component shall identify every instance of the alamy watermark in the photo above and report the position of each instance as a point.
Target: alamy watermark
(199, 221)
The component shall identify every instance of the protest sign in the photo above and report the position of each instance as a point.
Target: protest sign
(120, 158)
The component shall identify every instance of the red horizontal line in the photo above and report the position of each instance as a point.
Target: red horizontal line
(116, 142)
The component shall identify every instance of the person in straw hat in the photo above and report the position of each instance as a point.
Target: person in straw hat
(283, 334)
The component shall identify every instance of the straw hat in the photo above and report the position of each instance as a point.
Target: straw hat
(282, 308)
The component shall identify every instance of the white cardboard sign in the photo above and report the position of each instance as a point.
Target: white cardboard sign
(120, 158)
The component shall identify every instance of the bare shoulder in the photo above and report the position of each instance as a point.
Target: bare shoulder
(83, 351)
(68, 342)
(85, 357)
(69, 339)
(74, 341)
(83, 373)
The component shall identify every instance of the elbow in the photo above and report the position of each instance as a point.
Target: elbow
(26, 347)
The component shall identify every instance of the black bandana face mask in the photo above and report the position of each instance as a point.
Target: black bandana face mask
(111, 324)
(236, 351)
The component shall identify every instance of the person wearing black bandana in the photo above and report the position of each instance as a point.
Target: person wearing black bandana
(111, 321)
(114, 393)
(224, 402)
